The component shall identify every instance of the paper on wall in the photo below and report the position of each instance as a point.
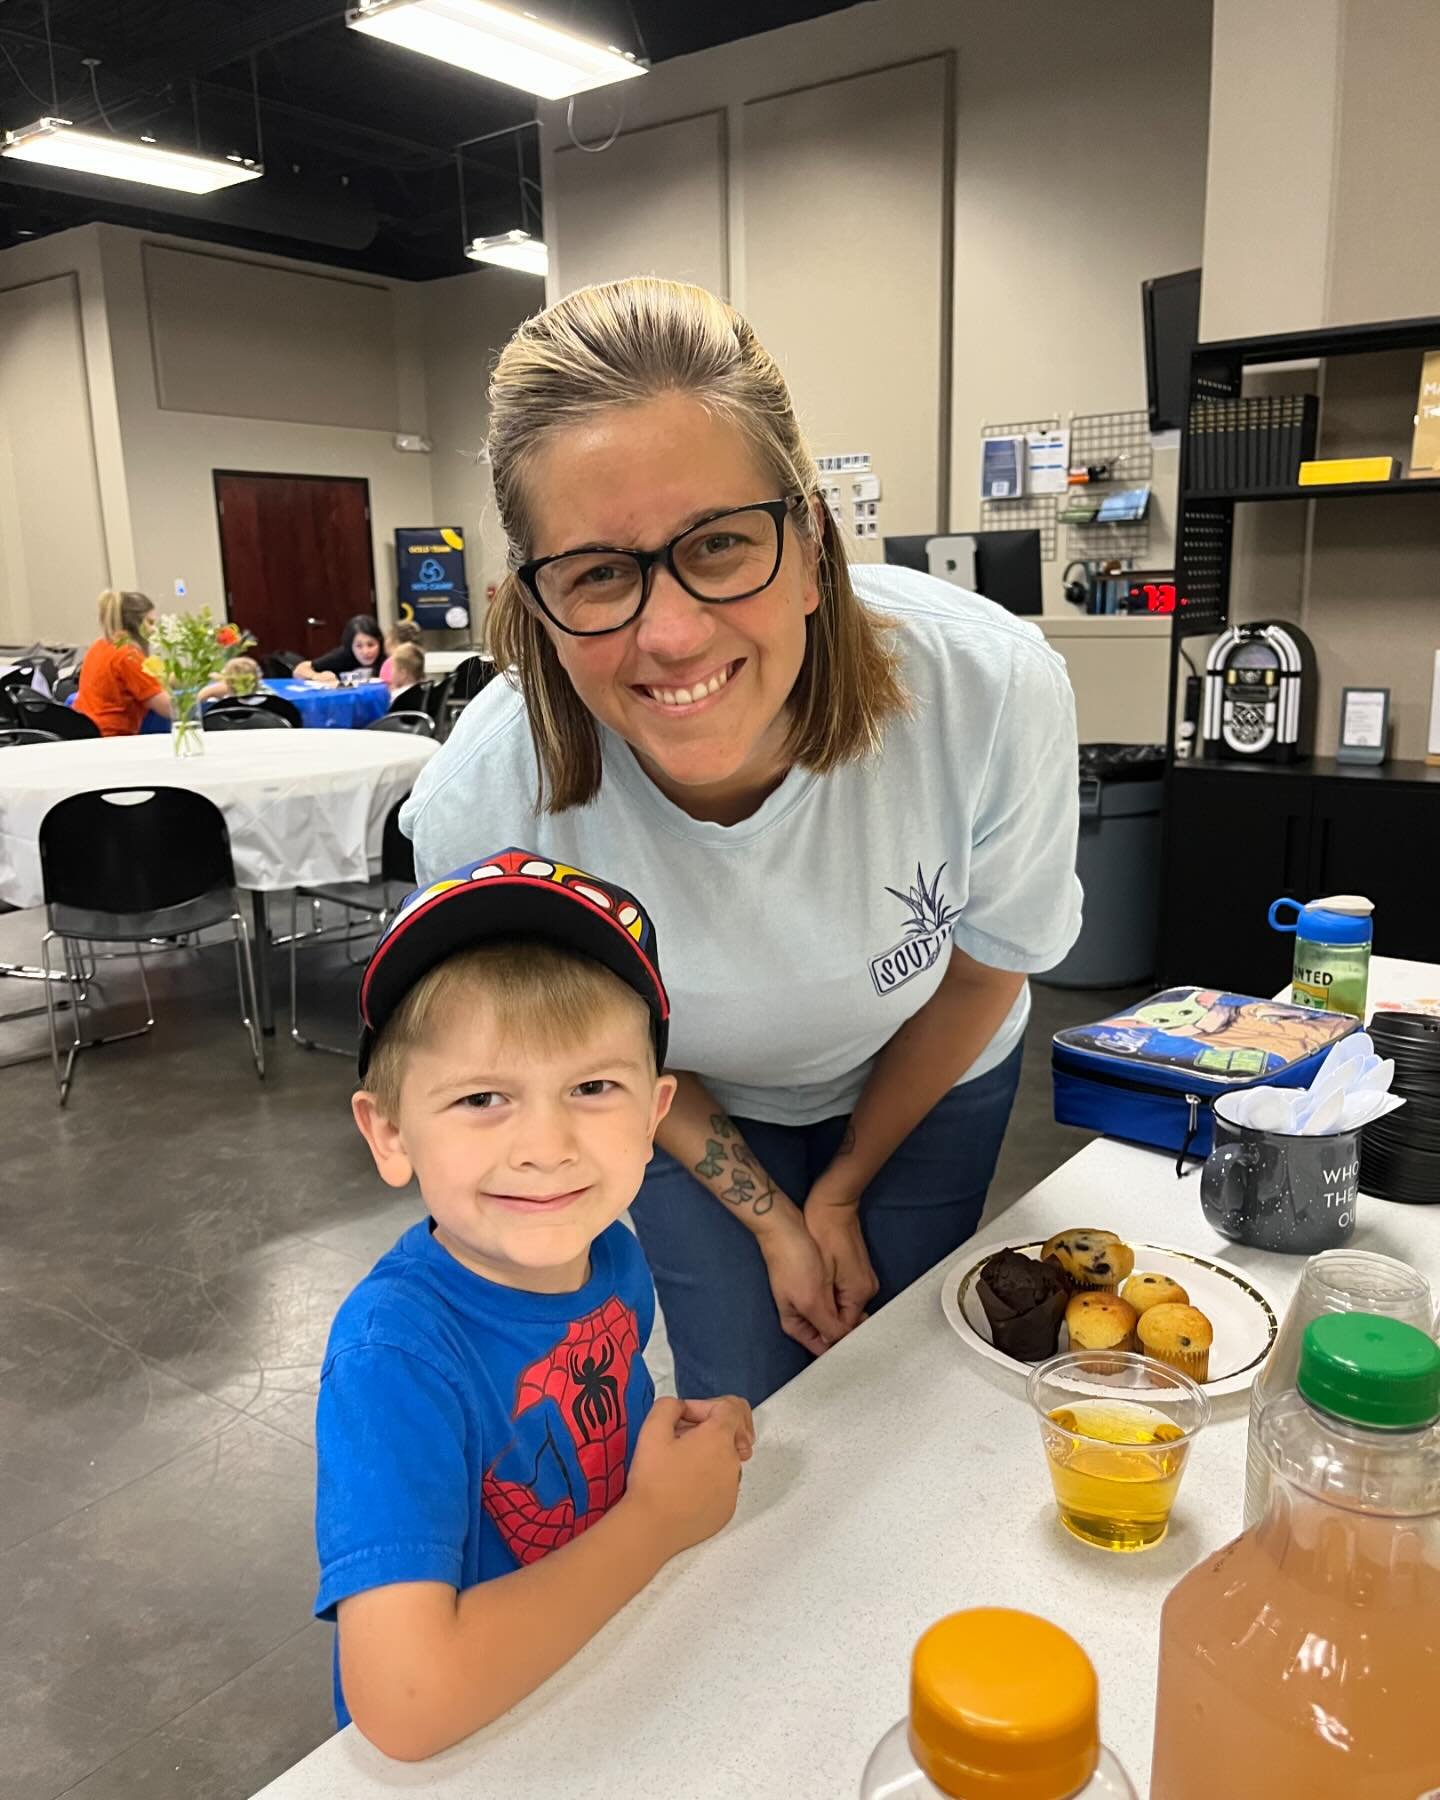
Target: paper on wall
(1047, 461)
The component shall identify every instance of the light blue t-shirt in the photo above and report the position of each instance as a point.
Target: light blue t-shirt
(797, 942)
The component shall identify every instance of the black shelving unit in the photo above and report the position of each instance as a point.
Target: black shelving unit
(1237, 835)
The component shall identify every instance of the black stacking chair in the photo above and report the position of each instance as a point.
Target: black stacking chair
(419, 723)
(465, 683)
(232, 715)
(10, 740)
(271, 703)
(282, 665)
(375, 899)
(126, 865)
(33, 712)
(65, 687)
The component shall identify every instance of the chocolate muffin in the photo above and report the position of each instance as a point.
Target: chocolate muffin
(1024, 1301)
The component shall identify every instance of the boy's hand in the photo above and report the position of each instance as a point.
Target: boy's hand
(686, 1469)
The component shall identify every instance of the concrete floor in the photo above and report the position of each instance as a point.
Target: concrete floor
(172, 1249)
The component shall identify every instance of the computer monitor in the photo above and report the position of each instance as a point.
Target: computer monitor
(1170, 305)
(1007, 564)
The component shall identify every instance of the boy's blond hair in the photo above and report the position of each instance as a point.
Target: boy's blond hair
(536, 993)
(408, 660)
(403, 631)
(241, 675)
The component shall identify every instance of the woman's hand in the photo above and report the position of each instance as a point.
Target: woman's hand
(832, 1219)
(801, 1283)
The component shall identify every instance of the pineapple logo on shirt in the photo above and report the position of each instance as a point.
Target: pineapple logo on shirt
(926, 935)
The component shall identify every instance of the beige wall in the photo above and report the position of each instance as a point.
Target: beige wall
(1320, 212)
(171, 457)
(1059, 212)
(53, 556)
(464, 322)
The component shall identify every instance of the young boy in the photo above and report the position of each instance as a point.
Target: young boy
(496, 1479)
(402, 671)
(403, 631)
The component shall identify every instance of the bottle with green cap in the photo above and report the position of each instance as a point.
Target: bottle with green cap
(1003, 1706)
(1304, 1657)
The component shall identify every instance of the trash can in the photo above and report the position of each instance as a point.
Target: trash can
(1119, 867)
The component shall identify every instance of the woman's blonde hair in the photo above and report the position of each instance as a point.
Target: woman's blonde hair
(618, 345)
(123, 615)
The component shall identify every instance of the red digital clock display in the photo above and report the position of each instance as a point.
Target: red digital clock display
(1157, 596)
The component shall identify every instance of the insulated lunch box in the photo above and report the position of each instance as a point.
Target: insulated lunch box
(1152, 1075)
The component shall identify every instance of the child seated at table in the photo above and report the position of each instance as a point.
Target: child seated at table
(239, 677)
(496, 1478)
(406, 670)
(403, 631)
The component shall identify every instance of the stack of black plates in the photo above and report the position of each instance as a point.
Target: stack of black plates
(1400, 1154)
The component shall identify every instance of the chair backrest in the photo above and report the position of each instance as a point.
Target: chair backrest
(281, 665)
(65, 687)
(20, 676)
(397, 853)
(228, 716)
(419, 724)
(39, 714)
(108, 852)
(22, 735)
(271, 703)
(469, 677)
(434, 700)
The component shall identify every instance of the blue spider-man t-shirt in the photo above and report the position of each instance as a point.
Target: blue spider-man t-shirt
(464, 1429)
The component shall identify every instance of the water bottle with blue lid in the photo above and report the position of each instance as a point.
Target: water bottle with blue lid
(1332, 951)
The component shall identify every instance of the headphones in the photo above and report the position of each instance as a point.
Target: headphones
(1078, 593)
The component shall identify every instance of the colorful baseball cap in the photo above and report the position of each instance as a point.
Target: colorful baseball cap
(514, 893)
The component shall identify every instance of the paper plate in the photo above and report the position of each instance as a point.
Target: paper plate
(1243, 1315)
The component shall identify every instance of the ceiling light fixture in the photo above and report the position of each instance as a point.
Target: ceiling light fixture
(513, 47)
(57, 143)
(511, 250)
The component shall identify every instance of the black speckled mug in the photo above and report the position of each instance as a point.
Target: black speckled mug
(1278, 1192)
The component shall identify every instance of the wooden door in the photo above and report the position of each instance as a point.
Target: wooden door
(1236, 838)
(296, 554)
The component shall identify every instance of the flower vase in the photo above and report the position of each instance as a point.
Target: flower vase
(187, 733)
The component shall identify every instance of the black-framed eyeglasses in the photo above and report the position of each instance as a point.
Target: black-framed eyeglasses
(732, 556)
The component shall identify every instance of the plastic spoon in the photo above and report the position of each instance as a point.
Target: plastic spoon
(1324, 1117)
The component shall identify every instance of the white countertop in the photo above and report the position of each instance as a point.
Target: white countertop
(899, 1478)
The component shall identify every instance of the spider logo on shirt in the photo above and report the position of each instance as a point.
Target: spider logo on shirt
(598, 1402)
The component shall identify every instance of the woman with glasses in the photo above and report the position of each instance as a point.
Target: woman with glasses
(847, 796)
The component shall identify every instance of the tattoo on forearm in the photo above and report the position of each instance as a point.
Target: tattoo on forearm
(730, 1165)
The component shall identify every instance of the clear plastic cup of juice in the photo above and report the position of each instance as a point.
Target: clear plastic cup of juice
(1117, 1430)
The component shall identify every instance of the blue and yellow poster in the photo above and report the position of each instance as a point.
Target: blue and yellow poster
(430, 571)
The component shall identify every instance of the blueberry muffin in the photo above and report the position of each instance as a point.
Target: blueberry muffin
(1089, 1258)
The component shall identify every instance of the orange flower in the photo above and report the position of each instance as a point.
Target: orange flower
(226, 636)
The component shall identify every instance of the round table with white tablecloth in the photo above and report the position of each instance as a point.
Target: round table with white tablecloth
(446, 662)
(302, 807)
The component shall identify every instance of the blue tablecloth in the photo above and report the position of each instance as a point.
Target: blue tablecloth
(340, 708)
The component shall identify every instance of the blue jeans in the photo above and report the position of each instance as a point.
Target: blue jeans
(711, 1277)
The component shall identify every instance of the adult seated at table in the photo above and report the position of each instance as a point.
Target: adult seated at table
(360, 647)
(115, 689)
(407, 670)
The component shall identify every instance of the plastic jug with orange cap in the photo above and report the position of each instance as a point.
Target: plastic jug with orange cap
(1003, 1706)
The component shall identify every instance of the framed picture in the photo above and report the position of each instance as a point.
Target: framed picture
(1364, 725)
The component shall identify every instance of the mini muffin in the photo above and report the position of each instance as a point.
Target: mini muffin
(1090, 1259)
(1180, 1336)
(1098, 1321)
(1147, 1290)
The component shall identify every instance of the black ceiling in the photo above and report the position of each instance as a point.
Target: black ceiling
(359, 138)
